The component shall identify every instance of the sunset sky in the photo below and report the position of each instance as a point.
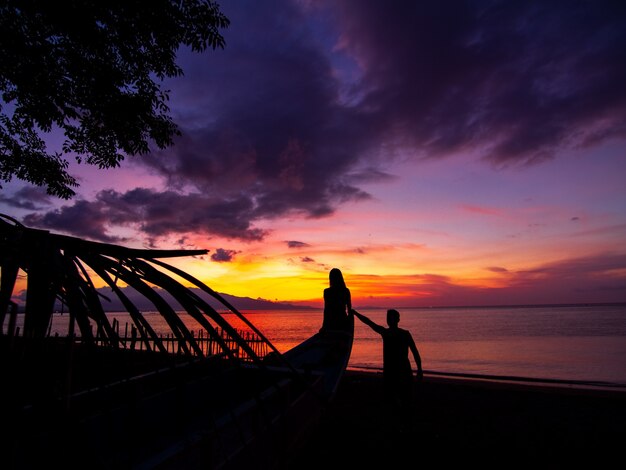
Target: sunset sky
(438, 153)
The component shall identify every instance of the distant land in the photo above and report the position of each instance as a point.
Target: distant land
(240, 303)
(111, 303)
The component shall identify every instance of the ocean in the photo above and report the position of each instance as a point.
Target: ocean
(580, 343)
(569, 343)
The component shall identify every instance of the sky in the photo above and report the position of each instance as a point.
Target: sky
(438, 153)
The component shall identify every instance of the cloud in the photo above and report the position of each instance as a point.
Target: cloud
(273, 126)
(584, 269)
(598, 278)
(296, 244)
(156, 213)
(308, 103)
(84, 219)
(515, 81)
(497, 269)
(222, 255)
(28, 197)
(307, 259)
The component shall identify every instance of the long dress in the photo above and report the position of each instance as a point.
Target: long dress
(337, 303)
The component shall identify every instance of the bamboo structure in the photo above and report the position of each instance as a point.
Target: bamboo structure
(134, 397)
(57, 269)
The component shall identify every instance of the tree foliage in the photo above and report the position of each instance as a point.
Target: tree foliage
(92, 72)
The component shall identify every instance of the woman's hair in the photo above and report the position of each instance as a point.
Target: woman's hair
(336, 278)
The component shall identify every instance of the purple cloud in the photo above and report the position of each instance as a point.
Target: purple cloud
(222, 255)
(84, 219)
(517, 80)
(28, 197)
(155, 214)
(596, 278)
(306, 103)
(497, 269)
(296, 244)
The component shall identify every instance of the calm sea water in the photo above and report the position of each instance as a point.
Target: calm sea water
(579, 343)
(564, 343)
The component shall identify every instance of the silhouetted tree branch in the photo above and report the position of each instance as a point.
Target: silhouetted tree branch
(91, 71)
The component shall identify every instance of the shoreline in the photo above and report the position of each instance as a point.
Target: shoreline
(562, 385)
(460, 420)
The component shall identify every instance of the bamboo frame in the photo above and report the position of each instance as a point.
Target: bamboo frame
(57, 269)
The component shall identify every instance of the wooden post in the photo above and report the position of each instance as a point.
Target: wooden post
(133, 335)
(12, 319)
(70, 362)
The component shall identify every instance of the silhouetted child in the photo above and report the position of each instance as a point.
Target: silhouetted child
(397, 372)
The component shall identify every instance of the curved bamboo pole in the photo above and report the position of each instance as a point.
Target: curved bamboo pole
(214, 294)
(135, 314)
(55, 267)
(185, 296)
(135, 280)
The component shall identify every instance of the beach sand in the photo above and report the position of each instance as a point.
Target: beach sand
(462, 421)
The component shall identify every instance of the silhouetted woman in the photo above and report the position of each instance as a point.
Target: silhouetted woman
(337, 302)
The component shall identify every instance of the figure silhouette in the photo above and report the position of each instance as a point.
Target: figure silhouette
(337, 302)
(397, 373)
